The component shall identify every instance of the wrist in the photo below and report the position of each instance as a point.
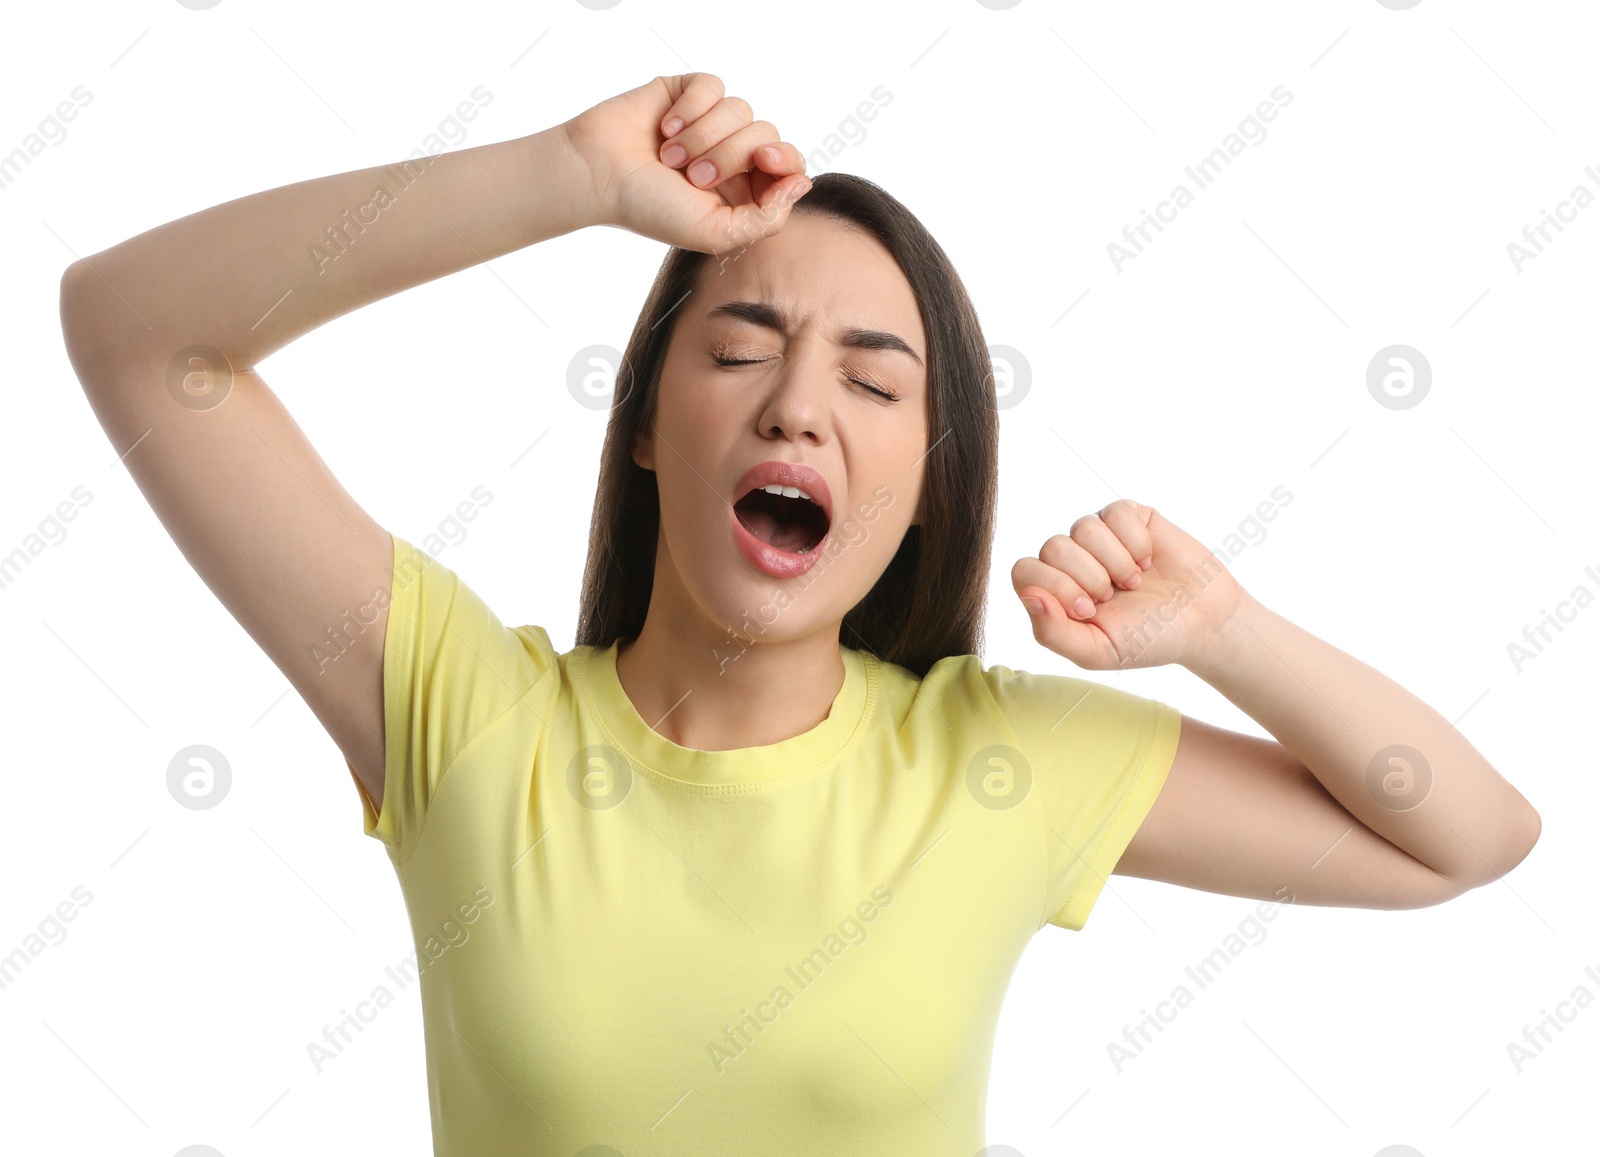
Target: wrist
(563, 181)
(567, 178)
(1227, 646)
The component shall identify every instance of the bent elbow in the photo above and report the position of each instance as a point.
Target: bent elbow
(1515, 850)
(1532, 828)
(70, 304)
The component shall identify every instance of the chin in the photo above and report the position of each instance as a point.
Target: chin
(754, 608)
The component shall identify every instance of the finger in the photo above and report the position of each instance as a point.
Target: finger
(693, 95)
(736, 155)
(1074, 560)
(727, 117)
(770, 163)
(1131, 523)
(773, 165)
(1037, 577)
(1102, 542)
(750, 222)
(1086, 644)
(782, 195)
(778, 164)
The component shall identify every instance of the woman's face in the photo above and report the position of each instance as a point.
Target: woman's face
(811, 308)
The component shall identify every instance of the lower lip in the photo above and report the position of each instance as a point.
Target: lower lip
(769, 559)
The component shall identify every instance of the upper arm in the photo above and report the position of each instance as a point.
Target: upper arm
(1241, 815)
(256, 512)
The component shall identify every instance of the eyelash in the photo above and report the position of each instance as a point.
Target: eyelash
(887, 395)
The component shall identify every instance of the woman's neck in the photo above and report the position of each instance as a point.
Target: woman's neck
(715, 692)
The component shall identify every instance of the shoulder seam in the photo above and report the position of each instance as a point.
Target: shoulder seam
(438, 786)
(1148, 765)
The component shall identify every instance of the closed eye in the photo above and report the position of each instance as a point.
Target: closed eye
(886, 394)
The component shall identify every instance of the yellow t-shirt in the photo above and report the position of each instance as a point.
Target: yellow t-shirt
(800, 948)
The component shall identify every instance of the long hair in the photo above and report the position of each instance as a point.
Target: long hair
(929, 601)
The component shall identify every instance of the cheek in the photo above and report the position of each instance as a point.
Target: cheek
(696, 428)
(690, 465)
(689, 507)
(870, 532)
(686, 433)
(851, 532)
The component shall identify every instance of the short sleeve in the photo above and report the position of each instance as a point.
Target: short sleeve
(450, 670)
(1098, 756)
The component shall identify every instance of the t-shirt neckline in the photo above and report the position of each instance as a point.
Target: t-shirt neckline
(597, 670)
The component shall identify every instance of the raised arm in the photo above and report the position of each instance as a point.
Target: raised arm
(1368, 798)
(165, 329)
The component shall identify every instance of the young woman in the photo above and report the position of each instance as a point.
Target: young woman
(748, 869)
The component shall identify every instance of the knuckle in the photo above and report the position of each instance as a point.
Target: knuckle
(1055, 542)
(739, 105)
(767, 129)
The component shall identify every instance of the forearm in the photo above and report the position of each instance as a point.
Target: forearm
(249, 276)
(1452, 811)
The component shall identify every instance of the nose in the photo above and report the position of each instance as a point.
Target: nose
(799, 401)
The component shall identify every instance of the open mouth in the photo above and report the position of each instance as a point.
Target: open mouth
(790, 524)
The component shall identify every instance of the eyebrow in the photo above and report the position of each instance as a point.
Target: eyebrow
(763, 314)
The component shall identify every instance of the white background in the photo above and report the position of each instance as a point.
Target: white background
(1229, 358)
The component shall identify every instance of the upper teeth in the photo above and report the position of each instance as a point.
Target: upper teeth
(788, 491)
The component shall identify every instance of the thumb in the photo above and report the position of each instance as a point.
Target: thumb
(751, 222)
(1054, 629)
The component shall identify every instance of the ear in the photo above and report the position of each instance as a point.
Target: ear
(644, 449)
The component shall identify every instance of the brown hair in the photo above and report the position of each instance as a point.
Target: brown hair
(929, 601)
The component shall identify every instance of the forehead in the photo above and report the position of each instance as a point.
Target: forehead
(817, 272)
